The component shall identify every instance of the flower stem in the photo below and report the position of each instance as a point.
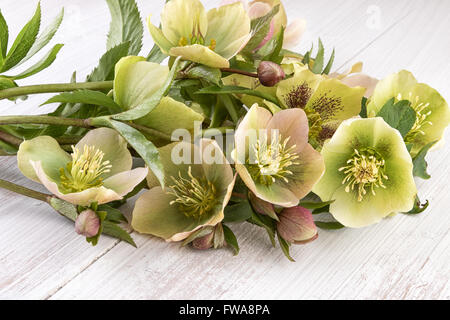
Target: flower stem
(9, 138)
(24, 191)
(58, 87)
(245, 73)
(83, 123)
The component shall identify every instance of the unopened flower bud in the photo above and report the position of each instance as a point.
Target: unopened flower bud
(205, 242)
(262, 207)
(87, 223)
(297, 225)
(270, 73)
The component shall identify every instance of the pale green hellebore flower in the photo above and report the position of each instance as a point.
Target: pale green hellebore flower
(210, 38)
(273, 157)
(98, 170)
(369, 173)
(137, 80)
(432, 111)
(326, 102)
(195, 196)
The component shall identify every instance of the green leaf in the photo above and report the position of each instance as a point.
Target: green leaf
(42, 64)
(420, 164)
(398, 115)
(112, 214)
(148, 105)
(285, 247)
(363, 113)
(266, 223)
(329, 225)
(330, 63)
(143, 147)
(239, 212)
(105, 69)
(24, 41)
(197, 234)
(260, 28)
(45, 37)
(65, 208)
(156, 55)
(230, 239)
(114, 230)
(307, 57)
(86, 96)
(237, 90)
(4, 35)
(272, 49)
(6, 83)
(319, 60)
(315, 205)
(126, 25)
(419, 207)
(209, 74)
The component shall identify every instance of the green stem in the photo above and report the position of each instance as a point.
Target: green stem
(9, 138)
(245, 73)
(24, 191)
(83, 123)
(57, 87)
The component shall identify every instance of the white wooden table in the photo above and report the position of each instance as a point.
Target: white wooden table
(406, 257)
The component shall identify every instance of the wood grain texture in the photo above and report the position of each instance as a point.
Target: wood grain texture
(401, 258)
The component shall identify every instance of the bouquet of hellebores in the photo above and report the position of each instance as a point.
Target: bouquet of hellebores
(219, 123)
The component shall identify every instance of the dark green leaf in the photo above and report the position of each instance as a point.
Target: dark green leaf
(42, 64)
(143, 147)
(239, 212)
(88, 97)
(24, 41)
(314, 205)
(230, 239)
(112, 214)
(66, 209)
(45, 37)
(105, 69)
(114, 230)
(319, 60)
(285, 247)
(156, 55)
(209, 74)
(237, 90)
(271, 50)
(4, 35)
(419, 207)
(329, 225)
(330, 63)
(399, 115)
(266, 223)
(148, 105)
(420, 164)
(126, 25)
(363, 113)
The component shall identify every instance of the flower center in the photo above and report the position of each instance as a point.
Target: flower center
(271, 161)
(365, 170)
(421, 116)
(196, 38)
(195, 197)
(85, 169)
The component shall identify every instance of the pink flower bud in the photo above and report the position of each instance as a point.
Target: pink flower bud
(270, 73)
(87, 223)
(204, 243)
(297, 225)
(262, 207)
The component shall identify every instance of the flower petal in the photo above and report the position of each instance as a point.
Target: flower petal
(124, 182)
(200, 54)
(361, 80)
(294, 33)
(100, 195)
(46, 150)
(295, 92)
(158, 37)
(113, 146)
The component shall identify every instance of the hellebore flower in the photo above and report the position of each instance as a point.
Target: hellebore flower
(432, 111)
(354, 77)
(273, 157)
(368, 173)
(326, 102)
(196, 195)
(136, 80)
(297, 226)
(98, 170)
(87, 223)
(208, 38)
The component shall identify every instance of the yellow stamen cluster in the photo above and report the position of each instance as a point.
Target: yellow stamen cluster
(195, 197)
(85, 170)
(421, 116)
(364, 170)
(272, 161)
(196, 38)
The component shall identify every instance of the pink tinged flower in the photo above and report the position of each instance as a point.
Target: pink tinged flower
(293, 33)
(361, 80)
(297, 226)
(273, 156)
(98, 170)
(270, 73)
(205, 242)
(87, 224)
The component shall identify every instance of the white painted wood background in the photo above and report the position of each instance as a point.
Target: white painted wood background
(405, 257)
